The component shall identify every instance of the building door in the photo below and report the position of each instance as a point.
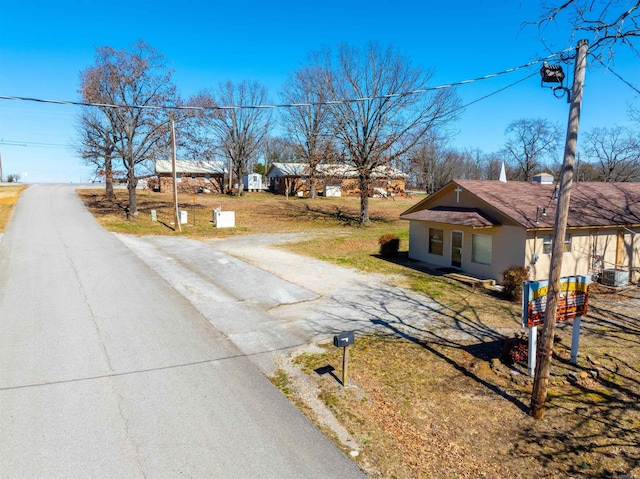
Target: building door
(456, 249)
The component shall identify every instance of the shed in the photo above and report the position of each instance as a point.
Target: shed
(252, 182)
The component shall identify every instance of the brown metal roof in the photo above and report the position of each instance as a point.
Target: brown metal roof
(459, 216)
(592, 204)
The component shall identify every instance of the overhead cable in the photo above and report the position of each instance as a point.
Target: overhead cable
(286, 105)
(618, 76)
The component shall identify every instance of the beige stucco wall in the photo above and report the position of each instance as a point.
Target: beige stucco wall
(592, 250)
(507, 248)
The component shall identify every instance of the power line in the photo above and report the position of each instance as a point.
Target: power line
(32, 143)
(288, 105)
(497, 91)
(618, 76)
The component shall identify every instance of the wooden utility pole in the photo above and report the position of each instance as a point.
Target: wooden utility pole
(176, 215)
(545, 345)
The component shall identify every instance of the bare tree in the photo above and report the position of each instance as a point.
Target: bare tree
(97, 145)
(280, 150)
(604, 23)
(585, 171)
(134, 81)
(376, 117)
(240, 131)
(529, 143)
(425, 163)
(634, 115)
(194, 136)
(614, 152)
(308, 123)
(492, 166)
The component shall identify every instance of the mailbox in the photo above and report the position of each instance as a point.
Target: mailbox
(343, 339)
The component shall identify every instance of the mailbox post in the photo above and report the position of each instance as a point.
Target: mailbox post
(344, 340)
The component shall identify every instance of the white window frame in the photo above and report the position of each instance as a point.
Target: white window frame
(547, 244)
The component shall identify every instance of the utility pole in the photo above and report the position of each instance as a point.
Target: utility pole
(176, 214)
(545, 346)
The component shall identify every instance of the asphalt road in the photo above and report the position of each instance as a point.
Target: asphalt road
(106, 370)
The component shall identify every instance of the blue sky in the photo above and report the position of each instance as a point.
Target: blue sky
(44, 46)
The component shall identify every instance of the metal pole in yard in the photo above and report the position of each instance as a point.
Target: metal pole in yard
(345, 364)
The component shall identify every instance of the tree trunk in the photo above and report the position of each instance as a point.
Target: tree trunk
(108, 179)
(132, 183)
(238, 173)
(364, 200)
(312, 187)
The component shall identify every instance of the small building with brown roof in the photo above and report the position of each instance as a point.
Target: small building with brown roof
(191, 176)
(483, 227)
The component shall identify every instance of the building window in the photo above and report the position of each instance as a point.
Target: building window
(435, 241)
(547, 244)
(481, 249)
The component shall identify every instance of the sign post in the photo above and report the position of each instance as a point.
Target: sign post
(344, 340)
(575, 339)
(533, 346)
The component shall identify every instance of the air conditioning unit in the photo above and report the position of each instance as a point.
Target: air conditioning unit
(615, 277)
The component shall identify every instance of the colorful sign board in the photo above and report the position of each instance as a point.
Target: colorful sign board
(572, 300)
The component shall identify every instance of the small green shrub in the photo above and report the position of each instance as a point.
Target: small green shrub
(512, 279)
(389, 245)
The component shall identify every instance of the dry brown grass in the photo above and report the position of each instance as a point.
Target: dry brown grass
(8, 197)
(255, 212)
(427, 407)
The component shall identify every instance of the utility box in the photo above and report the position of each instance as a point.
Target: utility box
(342, 340)
(332, 191)
(615, 277)
(183, 217)
(224, 219)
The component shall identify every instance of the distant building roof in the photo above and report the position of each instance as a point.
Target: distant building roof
(545, 178)
(336, 170)
(287, 169)
(348, 171)
(191, 166)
